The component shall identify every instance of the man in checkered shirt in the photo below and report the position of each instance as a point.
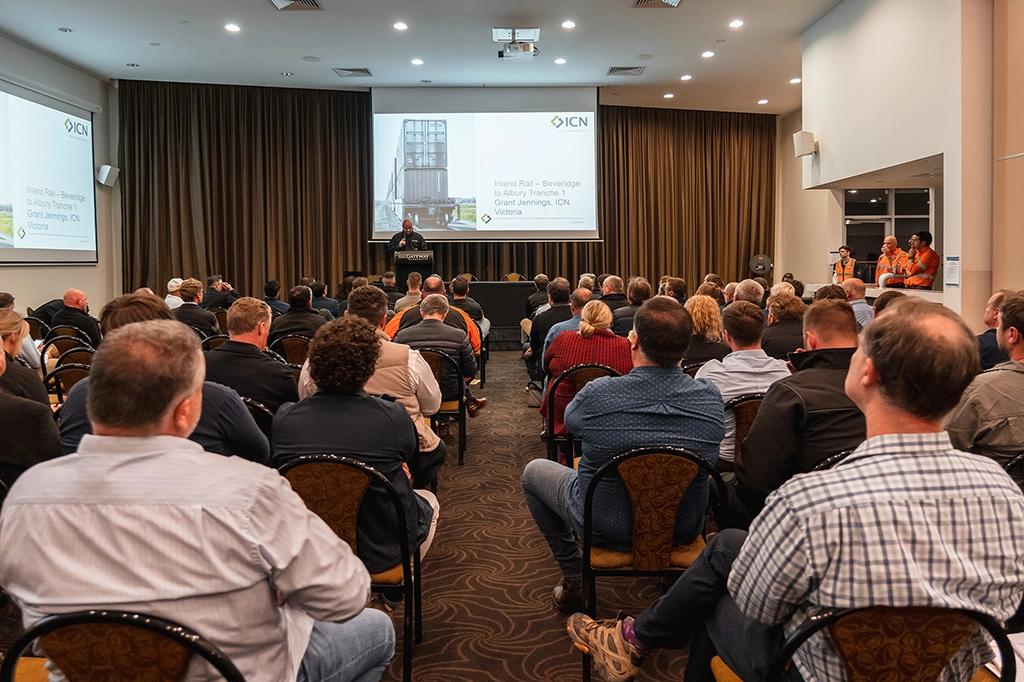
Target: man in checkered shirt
(905, 520)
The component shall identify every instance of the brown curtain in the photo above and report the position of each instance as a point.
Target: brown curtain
(259, 183)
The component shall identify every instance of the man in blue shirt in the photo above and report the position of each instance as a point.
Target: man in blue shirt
(577, 300)
(855, 293)
(656, 404)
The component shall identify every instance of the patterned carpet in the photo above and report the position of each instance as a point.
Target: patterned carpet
(487, 613)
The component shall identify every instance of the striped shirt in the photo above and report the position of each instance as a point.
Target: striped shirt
(906, 520)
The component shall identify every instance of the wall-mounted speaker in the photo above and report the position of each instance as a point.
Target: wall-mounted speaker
(804, 143)
(107, 175)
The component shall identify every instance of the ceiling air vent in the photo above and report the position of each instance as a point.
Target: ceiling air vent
(293, 5)
(656, 4)
(626, 70)
(353, 72)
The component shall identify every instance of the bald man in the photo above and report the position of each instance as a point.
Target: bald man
(855, 290)
(76, 314)
(891, 262)
(406, 240)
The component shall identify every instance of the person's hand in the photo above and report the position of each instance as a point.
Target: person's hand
(401, 244)
(912, 254)
(405, 468)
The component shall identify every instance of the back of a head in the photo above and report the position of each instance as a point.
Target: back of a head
(272, 288)
(6, 300)
(300, 296)
(613, 283)
(306, 281)
(924, 236)
(414, 280)
(798, 288)
(1011, 312)
(786, 307)
(763, 282)
(388, 278)
(190, 289)
(343, 354)
(783, 288)
(581, 297)
(587, 282)
(744, 321)
(750, 291)
(141, 371)
(213, 280)
(369, 303)
(706, 316)
(833, 322)
(600, 279)
(359, 282)
(663, 328)
(830, 291)
(676, 287)
(558, 290)
(595, 316)
(714, 279)
(638, 290)
(434, 304)
(131, 308)
(541, 282)
(706, 289)
(885, 299)
(924, 355)
(12, 323)
(318, 288)
(853, 288)
(460, 286)
(730, 289)
(433, 285)
(245, 315)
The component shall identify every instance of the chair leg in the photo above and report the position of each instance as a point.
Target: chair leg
(407, 633)
(462, 436)
(417, 582)
(552, 449)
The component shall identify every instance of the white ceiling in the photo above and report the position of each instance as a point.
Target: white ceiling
(453, 38)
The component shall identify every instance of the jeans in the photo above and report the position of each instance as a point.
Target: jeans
(548, 487)
(357, 650)
(698, 606)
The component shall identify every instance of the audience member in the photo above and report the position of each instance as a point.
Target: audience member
(454, 317)
(611, 293)
(28, 353)
(855, 291)
(706, 289)
(798, 288)
(588, 280)
(300, 319)
(787, 277)
(537, 298)
(750, 291)
(988, 344)
(46, 311)
(172, 300)
(434, 333)
(828, 291)
(807, 417)
(18, 380)
(990, 417)
(400, 373)
(885, 299)
(321, 301)
(785, 331)
(76, 313)
(719, 284)
(592, 342)
(922, 262)
(460, 299)
(219, 294)
(655, 404)
(782, 288)
(746, 369)
(342, 418)
(661, 284)
(241, 364)
(271, 291)
(225, 425)
(356, 283)
(892, 262)
(729, 292)
(412, 295)
(559, 311)
(577, 300)
(219, 543)
(905, 496)
(190, 312)
(765, 292)
(637, 291)
(388, 285)
(676, 288)
(706, 342)
(30, 434)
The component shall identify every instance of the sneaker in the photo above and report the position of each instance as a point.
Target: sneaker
(615, 659)
(474, 406)
(377, 601)
(568, 597)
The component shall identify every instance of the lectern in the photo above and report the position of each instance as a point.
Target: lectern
(413, 261)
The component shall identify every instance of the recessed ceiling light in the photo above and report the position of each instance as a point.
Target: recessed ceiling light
(560, 61)
(685, 77)
(668, 95)
(310, 58)
(287, 73)
(762, 101)
(64, 29)
(707, 54)
(568, 24)
(874, 201)
(736, 23)
(417, 62)
(234, 28)
(154, 44)
(400, 25)
(794, 81)
(132, 65)
(853, 191)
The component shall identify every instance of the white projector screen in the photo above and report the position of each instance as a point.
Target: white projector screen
(47, 196)
(486, 164)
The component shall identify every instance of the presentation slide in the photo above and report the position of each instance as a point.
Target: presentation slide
(47, 201)
(486, 175)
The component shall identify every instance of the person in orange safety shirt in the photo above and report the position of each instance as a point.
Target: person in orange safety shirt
(843, 268)
(892, 262)
(922, 262)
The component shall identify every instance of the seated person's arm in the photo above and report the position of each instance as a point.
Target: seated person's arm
(240, 433)
(964, 423)
(467, 361)
(428, 393)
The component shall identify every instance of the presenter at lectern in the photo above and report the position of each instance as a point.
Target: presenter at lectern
(406, 240)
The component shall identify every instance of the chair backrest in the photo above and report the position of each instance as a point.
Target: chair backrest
(222, 317)
(831, 460)
(1014, 463)
(61, 379)
(81, 355)
(744, 408)
(62, 344)
(438, 360)
(296, 370)
(692, 367)
(261, 414)
(656, 479)
(579, 376)
(910, 644)
(294, 348)
(37, 329)
(211, 342)
(277, 356)
(512, 277)
(107, 645)
(201, 332)
(68, 330)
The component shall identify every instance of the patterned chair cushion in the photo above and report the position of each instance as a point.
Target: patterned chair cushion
(722, 672)
(682, 556)
(111, 651)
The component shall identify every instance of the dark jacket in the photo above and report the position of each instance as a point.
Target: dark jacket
(413, 317)
(375, 431)
(782, 338)
(301, 321)
(393, 293)
(194, 316)
(30, 435)
(328, 304)
(991, 354)
(81, 320)
(46, 311)
(702, 350)
(243, 367)
(214, 298)
(469, 306)
(622, 319)
(615, 301)
(804, 419)
(437, 335)
(543, 323)
(276, 304)
(536, 300)
(414, 242)
(23, 382)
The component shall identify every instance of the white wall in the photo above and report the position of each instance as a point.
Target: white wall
(32, 285)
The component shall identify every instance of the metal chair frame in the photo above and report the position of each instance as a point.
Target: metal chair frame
(261, 414)
(222, 317)
(275, 355)
(38, 329)
(201, 332)
(736, 402)
(549, 420)
(215, 341)
(64, 329)
(185, 637)
(278, 348)
(1014, 463)
(691, 368)
(832, 460)
(56, 342)
(461, 414)
(67, 358)
(411, 573)
(53, 381)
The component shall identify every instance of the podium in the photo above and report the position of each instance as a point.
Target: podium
(413, 261)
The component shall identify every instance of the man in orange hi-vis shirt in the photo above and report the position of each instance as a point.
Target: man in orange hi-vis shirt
(922, 262)
(892, 261)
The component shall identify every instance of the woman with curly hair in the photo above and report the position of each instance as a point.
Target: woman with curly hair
(706, 342)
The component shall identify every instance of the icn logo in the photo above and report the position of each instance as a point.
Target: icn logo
(570, 122)
(69, 125)
(557, 121)
(76, 128)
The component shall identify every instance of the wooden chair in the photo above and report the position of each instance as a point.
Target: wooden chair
(211, 342)
(69, 330)
(110, 645)
(691, 368)
(293, 347)
(1014, 463)
(222, 317)
(202, 333)
(37, 329)
(438, 360)
(831, 461)
(580, 376)
(512, 277)
(80, 355)
(60, 381)
(296, 370)
(333, 488)
(261, 414)
(744, 408)
(61, 344)
(656, 480)
(271, 354)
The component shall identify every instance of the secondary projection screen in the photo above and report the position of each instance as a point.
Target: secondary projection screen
(47, 195)
(486, 164)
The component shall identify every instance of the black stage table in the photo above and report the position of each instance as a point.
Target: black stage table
(503, 304)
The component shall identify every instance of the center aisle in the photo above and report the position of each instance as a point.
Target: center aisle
(487, 612)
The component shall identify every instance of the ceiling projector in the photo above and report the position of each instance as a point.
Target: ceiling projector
(518, 52)
(517, 44)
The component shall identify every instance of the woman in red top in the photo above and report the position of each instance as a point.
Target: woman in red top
(593, 343)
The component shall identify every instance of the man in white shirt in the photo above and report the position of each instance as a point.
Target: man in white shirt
(747, 369)
(141, 519)
(855, 294)
(172, 299)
